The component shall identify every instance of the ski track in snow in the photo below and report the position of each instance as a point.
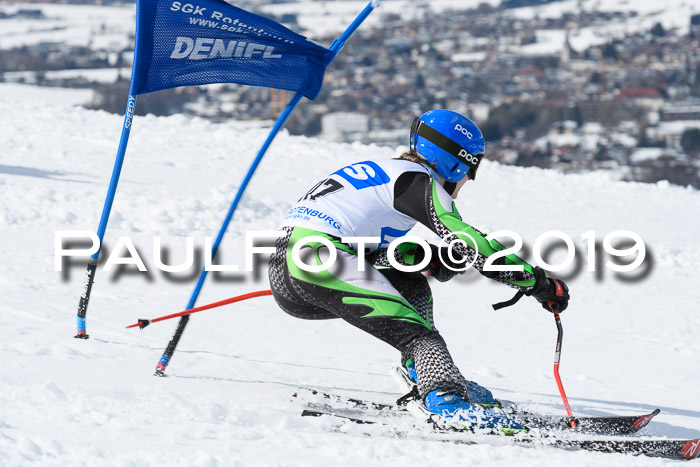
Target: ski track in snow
(629, 347)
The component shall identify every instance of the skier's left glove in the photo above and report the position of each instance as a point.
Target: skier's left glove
(441, 267)
(553, 294)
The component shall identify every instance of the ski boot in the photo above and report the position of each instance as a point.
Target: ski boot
(477, 394)
(457, 413)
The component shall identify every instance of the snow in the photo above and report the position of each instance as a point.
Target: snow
(469, 57)
(673, 14)
(109, 27)
(559, 140)
(103, 27)
(332, 17)
(630, 344)
(99, 75)
(624, 139)
(677, 127)
(60, 96)
(646, 154)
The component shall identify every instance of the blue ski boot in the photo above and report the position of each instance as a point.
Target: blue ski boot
(457, 412)
(477, 394)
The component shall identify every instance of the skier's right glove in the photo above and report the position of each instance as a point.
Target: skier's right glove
(553, 294)
(441, 267)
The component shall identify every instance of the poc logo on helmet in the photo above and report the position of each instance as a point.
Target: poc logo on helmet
(464, 131)
(469, 157)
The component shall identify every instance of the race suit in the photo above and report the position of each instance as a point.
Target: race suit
(383, 199)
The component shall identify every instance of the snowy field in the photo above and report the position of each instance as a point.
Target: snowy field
(324, 18)
(103, 27)
(96, 75)
(630, 345)
(108, 28)
(60, 96)
(673, 14)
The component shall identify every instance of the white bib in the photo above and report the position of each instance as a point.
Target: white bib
(357, 201)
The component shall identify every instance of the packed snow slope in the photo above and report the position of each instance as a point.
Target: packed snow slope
(631, 341)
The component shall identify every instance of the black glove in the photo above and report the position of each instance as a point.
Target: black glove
(439, 261)
(553, 294)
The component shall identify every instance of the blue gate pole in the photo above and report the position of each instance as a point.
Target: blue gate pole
(104, 218)
(335, 47)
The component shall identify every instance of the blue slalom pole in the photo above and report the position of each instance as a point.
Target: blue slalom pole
(104, 218)
(282, 119)
(339, 43)
(335, 47)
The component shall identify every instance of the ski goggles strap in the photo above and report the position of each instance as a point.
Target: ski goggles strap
(420, 128)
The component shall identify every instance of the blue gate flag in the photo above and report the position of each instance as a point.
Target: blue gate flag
(196, 42)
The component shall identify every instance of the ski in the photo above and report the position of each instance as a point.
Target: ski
(344, 401)
(604, 425)
(321, 413)
(664, 448)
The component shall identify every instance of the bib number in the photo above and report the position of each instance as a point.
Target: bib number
(324, 188)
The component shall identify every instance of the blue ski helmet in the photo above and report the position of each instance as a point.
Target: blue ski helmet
(450, 140)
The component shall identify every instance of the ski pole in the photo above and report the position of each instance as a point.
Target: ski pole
(145, 322)
(557, 355)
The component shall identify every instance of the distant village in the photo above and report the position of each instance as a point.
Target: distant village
(629, 105)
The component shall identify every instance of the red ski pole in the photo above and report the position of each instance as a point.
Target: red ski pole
(557, 355)
(145, 322)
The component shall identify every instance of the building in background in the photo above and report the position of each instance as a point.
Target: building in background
(345, 126)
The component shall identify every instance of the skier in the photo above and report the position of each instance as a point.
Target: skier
(384, 199)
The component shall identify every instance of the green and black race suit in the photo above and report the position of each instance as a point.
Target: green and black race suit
(381, 199)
